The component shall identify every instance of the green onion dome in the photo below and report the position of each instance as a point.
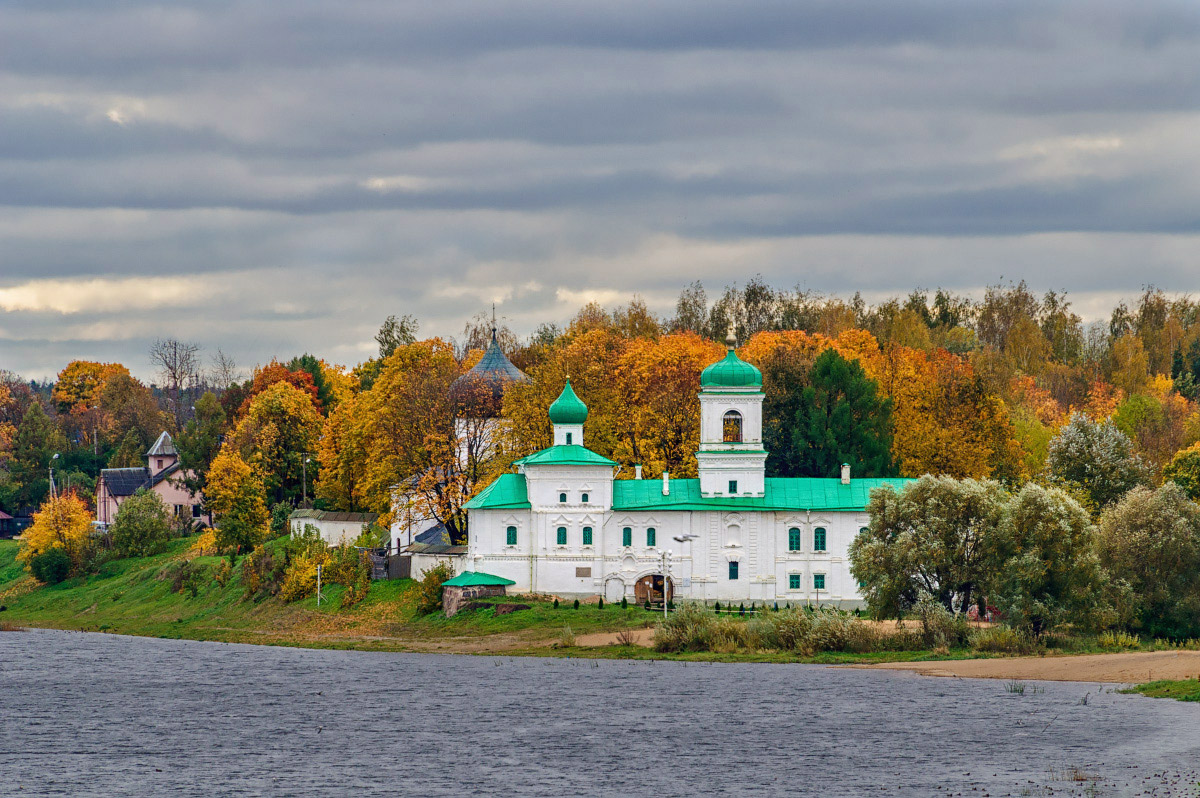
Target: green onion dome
(732, 371)
(568, 408)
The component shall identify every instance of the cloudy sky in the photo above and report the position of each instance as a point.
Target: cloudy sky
(270, 178)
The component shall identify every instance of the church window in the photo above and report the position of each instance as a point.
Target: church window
(510, 536)
(627, 536)
(568, 439)
(587, 536)
(733, 486)
(793, 539)
(651, 536)
(562, 498)
(731, 426)
(819, 539)
(733, 570)
(584, 498)
(562, 536)
(793, 581)
(818, 581)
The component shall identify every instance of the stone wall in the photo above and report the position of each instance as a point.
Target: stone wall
(453, 598)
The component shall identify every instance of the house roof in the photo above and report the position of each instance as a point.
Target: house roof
(434, 548)
(127, 481)
(435, 534)
(476, 579)
(566, 454)
(509, 492)
(163, 447)
(124, 481)
(5, 516)
(331, 515)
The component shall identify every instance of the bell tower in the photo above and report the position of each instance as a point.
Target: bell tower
(732, 460)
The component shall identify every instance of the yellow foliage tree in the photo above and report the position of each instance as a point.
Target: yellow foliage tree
(280, 426)
(62, 522)
(79, 384)
(234, 495)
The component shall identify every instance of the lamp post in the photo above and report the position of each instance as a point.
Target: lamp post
(52, 459)
(304, 468)
(685, 539)
(666, 568)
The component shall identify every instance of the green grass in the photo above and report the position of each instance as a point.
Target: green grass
(1185, 690)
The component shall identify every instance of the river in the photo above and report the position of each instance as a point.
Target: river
(102, 715)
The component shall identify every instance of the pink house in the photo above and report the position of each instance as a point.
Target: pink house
(162, 475)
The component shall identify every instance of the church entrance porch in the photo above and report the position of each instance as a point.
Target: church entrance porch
(650, 588)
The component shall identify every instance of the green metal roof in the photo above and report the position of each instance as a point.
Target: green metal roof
(476, 579)
(571, 454)
(730, 372)
(801, 493)
(782, 493)
(507, 492)
(568, 408)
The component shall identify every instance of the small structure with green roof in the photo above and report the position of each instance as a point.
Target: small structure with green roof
(470, 585)
(571, 522)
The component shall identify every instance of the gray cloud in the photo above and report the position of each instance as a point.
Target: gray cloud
(318, 166)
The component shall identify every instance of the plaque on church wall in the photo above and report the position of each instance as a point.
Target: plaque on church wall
(583, 571)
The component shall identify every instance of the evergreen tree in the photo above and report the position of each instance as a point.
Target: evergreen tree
(38, 439)
(841, 419)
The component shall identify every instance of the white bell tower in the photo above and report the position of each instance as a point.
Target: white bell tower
(731, 458)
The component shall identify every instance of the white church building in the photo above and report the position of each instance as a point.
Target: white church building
(563, 524)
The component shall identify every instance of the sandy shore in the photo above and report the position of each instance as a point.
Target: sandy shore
(1126, 668)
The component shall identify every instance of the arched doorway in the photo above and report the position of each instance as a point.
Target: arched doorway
(614, 589)
(650, 588)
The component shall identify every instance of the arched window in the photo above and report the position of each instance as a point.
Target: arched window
(819, 539)
(732, 426)
(793, 539)
(584, 498)
(587, 536)
(568, 439)
(511, 536)
(627, 536)
(651, 536)
(562, 498)
(562, 536)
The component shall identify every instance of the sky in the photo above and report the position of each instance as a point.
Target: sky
(272, 178)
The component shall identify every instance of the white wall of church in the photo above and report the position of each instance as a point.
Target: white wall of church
(759, 542)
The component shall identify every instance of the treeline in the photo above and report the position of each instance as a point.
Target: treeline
(930, 383)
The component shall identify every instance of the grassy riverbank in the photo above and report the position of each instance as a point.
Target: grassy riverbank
(1180, 690)
(139, 596)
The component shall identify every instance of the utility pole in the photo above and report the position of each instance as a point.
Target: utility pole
(318, 586)
(666, 568)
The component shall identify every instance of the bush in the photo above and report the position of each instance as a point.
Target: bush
(261, 573)
(300, 578)
(600, 604)
(624, 603)
(940, 628)
(280, 514)
(1118, 641)
(142, 526)
(429, 589)
(222, 572)
(51, 566)
(576, 604)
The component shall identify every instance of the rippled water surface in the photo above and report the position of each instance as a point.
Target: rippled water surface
(99, 715)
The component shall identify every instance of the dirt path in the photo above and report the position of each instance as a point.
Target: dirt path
(1128, 667)
(641, 637)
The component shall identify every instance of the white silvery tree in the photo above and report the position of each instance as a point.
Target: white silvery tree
(1048, 572)
(1096, 458)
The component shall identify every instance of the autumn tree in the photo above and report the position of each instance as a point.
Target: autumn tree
(938, 535)
(395, 333)
(128, 405)
(1184, 470)
(63, 522)
(200, 441)
(1150, 542)
(79, 383)
(280, 427)
(840, 418)
(235, 497)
